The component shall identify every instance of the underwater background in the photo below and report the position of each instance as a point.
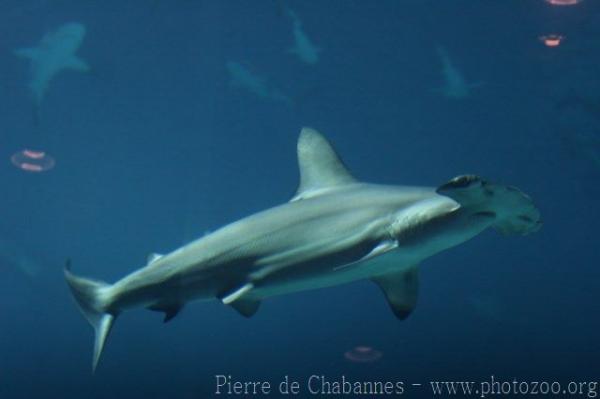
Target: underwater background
(187, 119)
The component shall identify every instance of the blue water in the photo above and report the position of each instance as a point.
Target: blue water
(154, 147)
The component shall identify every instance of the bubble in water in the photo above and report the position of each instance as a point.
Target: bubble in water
(363, 354)
(32, 161)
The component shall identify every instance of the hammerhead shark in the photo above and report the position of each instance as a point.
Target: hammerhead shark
(14, 256)
(335, 230)
(55, 53)
(303, 47)
(456, 85)
(242, 77)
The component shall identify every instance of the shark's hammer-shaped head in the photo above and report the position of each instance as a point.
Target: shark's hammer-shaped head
(509, 209)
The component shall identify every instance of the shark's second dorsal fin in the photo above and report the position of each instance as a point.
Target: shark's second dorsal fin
(320, 167)
(153, 258)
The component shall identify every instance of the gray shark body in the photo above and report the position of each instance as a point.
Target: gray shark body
(242, 77)
(55, 53)
(335, 230)
(303, 47)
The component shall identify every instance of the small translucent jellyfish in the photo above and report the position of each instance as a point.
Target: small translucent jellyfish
(563, 2)
(32, 161)
(363, 354)
(551, 40)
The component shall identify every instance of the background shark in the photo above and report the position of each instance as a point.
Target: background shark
(55, 53)
(455, 84)
(306, 51)
(13, 256)
(335, 230)
(242, 77)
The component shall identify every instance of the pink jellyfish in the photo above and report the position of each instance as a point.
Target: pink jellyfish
(363, 354)
(32, 161)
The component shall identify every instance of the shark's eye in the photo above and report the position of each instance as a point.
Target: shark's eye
(32, 161)
(463, 181)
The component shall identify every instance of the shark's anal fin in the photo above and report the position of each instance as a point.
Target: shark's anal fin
(247, 307)
(401, 290)
(170, 309)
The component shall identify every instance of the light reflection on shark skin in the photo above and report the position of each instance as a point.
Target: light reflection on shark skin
(55, 53)
(455, 85)
(242, 77)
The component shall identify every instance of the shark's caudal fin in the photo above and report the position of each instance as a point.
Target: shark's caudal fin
(92, 298)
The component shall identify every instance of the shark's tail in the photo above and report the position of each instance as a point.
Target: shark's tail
(93, 300)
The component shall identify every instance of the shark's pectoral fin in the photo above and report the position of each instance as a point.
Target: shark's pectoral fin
(382, 248)
(401, 290)
(320, 167)
(247, 307)
(170, 309)
(77, 64)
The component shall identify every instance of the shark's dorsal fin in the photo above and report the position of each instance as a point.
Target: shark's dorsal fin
(153, 258)
(401, 290)
(320, 167)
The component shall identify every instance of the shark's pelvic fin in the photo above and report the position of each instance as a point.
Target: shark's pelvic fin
(170, 309)
(91, 296)
(320, 167)
(246, 307)
(401, 290)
